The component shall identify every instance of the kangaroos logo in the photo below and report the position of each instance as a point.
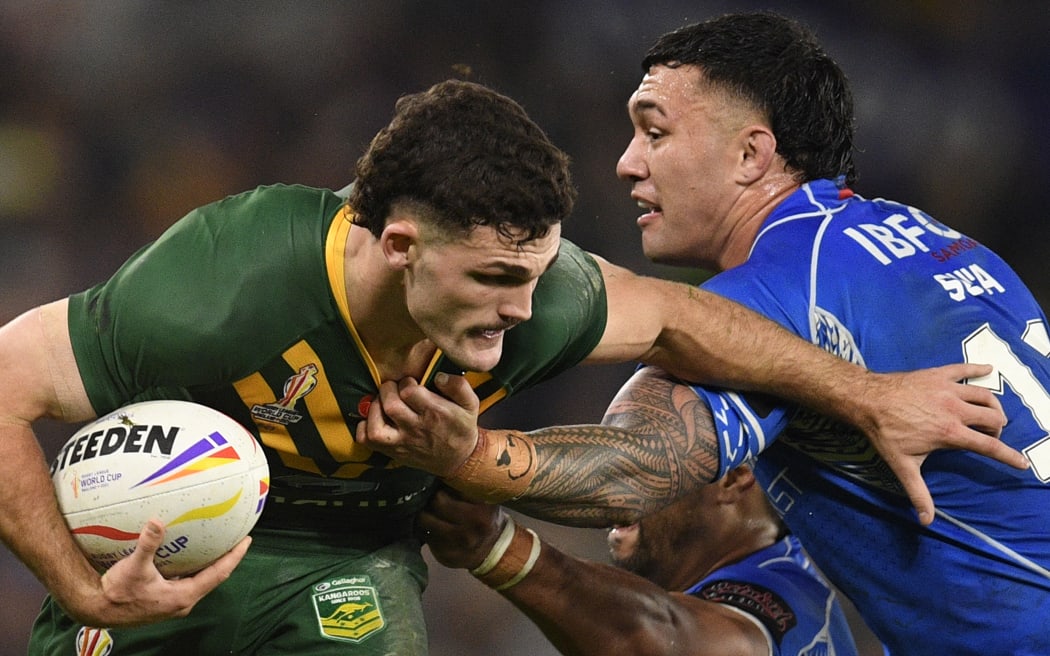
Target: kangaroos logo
(348, 608)
(296, 387)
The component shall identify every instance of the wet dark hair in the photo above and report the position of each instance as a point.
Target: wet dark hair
(778, 66)
(469, 156)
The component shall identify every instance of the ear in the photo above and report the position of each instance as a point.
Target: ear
(737, 481)
(758, 148)
(397, 240)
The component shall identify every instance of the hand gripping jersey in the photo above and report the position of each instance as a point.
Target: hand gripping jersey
(884, 285)
(779, 589)
(241, 306)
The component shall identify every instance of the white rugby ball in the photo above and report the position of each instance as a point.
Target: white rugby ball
(192, 467)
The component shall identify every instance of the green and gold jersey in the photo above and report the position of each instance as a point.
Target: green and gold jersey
(241, 306)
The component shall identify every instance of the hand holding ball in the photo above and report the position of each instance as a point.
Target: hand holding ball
(198, 471)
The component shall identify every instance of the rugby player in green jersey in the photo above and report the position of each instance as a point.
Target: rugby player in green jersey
(288, 307)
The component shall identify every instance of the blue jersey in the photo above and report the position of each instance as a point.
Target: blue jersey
(884, 285)
(779, 588)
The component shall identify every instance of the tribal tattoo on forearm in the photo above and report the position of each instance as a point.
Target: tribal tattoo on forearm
(656, 443)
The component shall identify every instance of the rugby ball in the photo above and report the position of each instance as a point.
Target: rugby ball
(192, 467)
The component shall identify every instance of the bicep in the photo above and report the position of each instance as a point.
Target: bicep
(708, 430)
(38, 372)
(635, 314)
(653, 403)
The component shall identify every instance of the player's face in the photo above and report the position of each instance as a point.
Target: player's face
(680, 165)
(466, 294)
(655, 547)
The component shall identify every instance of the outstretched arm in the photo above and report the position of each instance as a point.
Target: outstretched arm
(38, 378)
(657, 443)
(700, 336)
(582, 607)
(585, 475)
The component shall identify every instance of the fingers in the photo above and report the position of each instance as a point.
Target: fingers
(449, 504)
(135, 593)
(962, 371)
(1004, 453)
(980, 395)
(442, 500)
(460, 533)
(986, 412)
(985, 416)
(375, 430)
(391, 409)
(211, 576)
(991, 447)
(434, 525)
(413, 400)
(405, 402)
(989, 421)
(439, 527)
(910, 476)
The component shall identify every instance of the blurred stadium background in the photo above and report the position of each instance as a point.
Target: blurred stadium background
(118, 116)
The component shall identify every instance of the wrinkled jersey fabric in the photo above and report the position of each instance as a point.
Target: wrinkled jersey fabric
(886, 286)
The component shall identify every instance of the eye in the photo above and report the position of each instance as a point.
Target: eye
(501, 280)
(653, 134)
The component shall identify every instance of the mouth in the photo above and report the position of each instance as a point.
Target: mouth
(490, 333)
(619, 532)
(651, 211)
(485, 334)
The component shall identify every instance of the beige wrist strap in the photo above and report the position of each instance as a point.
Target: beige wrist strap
(500, 468)
(511, 559)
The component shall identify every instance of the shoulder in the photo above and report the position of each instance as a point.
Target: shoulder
(274, 203)
(764, 585)
(241, 236)
(250, 234)
(242, 272)
(779, 587)
(574, 261)
(574, 282)
(568, 320)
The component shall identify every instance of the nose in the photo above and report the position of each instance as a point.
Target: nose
(631, 165)
(517, 305)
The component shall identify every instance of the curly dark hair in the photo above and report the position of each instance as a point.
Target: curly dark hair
(469, 156)
(778, 66)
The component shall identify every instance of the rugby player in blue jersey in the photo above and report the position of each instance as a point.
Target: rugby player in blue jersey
(287, 307)
(715, 573)
(742, 160)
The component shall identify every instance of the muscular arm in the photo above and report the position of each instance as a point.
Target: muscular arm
(656, 443)
(38, 379)
(30, 523)
(587, 608)
(699, 337)
(704, 338)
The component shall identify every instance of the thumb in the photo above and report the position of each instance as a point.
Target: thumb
(149, 541)
(457, 389)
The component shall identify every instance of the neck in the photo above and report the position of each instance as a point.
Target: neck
(753, 207)
(744, 538)
(376, 301)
